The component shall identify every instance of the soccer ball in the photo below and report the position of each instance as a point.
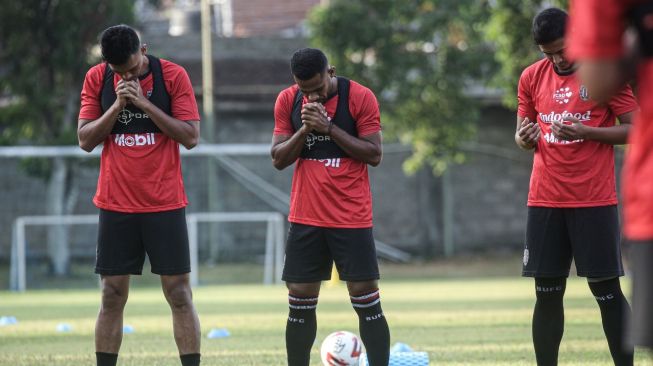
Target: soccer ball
(341, 349)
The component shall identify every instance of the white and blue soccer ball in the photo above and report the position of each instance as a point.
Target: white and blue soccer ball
(341, 349)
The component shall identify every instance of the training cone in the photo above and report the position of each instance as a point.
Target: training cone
(402, 359)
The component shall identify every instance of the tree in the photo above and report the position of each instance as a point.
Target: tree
(46, 47)
(419, 57)
(509, 28)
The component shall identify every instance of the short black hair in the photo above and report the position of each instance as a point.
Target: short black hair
(307, 62)
(118, 43)
(549, 25)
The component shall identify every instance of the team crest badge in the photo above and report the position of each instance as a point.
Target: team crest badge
(584, 95)
(526, 255)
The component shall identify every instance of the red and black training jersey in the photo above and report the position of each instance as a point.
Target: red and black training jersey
(140, 167)
(569, 173)
(331, 191)
(597, 30)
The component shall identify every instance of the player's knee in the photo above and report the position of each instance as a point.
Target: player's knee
(304, 289)
(114, 297)
(360, 287)
(179, 296)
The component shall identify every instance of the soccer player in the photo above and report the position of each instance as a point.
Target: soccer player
(330, 128)
(597, 42)
(141, 108)
(572, 201)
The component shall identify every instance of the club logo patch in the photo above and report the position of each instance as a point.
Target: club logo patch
(526, 256)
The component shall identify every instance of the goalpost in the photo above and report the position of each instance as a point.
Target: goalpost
(274, 241)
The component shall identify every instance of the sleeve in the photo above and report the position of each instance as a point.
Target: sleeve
(282, 112)
(365, 110)
(525, 103)
(182, 97)
(90, 104)
(623, 102)
(596, 29)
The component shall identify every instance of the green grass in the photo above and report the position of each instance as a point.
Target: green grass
(469, 321)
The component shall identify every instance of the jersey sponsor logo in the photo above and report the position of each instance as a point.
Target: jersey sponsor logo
(125, 116)
(551, 139)
(333, 163)
(562, 95)
(311, 139)
(135, 139)
(583, 94)
(553, 116)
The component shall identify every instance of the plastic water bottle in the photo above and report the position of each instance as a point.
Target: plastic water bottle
(402, 359)
(218, 333)
(127, 329)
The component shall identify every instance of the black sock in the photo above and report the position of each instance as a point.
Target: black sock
(190, 359)
(106, 359)
(548, 319)
(373, 327)
(615, 313)
(300, 329)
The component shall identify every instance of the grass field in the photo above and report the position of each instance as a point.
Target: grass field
(468, 321)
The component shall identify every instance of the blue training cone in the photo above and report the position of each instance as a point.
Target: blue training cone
(402, 359)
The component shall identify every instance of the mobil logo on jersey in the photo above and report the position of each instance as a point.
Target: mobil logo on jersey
(553, 116)
(134, 139)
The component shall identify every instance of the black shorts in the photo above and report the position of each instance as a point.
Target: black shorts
(589, 235)
(125, 238)
(311, 251)
(641, 263)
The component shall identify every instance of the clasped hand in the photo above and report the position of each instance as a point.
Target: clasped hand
(314, 117)
(129, 91)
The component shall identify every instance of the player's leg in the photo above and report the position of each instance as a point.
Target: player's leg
(108, 327)
(641, 260)
(308, 262)
(547, 258)
(165, 237)
(354, 253)
(596, 245)
(119, 253)
(301, 326)
(185, 322)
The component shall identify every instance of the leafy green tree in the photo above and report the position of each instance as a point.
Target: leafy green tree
(45, 49)
(420, 57)
(509, 28)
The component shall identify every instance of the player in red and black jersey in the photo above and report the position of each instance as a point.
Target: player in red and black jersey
(329, 127)
(606, 62)
(140, 108)
(572, 200)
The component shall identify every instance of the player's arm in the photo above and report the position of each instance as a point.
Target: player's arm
(91, 133)
(286, 149)
(367, 149)
(614, 135)
(186, 133)
(527, 133)
(603, 78)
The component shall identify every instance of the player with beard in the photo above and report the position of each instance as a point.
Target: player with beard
(572, 200)
(329, 127)
(141, 108)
